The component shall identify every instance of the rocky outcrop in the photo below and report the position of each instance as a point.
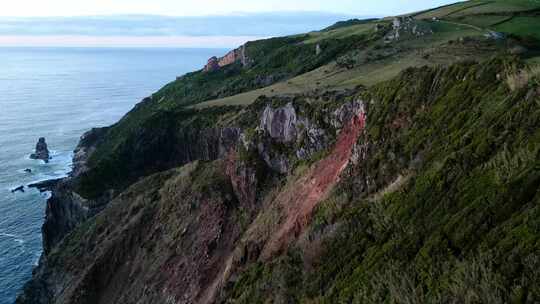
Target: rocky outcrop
(281, 123)
(65, 208)
(282, 126)
(84, 149)
(47, 185)
(212, 64)
(42, 152)
(18, 189)
(212, 228)
(299, 135)
(236, 55)
(403, 27)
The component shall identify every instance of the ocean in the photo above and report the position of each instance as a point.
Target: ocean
(59, 93)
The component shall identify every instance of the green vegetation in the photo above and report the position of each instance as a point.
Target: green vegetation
(348, 23)
(342, 32)
(478, 7)
(497, 6)
(439, 202)
(465, 227)
(160, 141)
(521, 26)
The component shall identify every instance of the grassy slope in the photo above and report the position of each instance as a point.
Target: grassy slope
(373, 69)
(133, 147)
(462, 226)
(291, 66)
(471, 18)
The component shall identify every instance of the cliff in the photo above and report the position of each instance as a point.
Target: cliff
(421, 187)
(234, 56)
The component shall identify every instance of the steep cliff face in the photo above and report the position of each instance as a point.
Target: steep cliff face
(66, 209)
(422, 188)
(226, 224)
(418, 179)
(205, 207)
(234, 56)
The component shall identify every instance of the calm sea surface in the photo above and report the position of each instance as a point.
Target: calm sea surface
(59, 93)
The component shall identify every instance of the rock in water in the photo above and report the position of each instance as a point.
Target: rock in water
(18, 189)
(41, 151)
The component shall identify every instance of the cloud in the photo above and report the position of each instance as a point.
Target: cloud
(125, 41)
(259, 24)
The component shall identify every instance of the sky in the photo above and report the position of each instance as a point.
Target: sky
(33, 8)
(179, 23)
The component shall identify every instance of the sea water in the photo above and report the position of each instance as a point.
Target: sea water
(59, 93)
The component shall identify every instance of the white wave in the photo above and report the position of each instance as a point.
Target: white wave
(36, 259)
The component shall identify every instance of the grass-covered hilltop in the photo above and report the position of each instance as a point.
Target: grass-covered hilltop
(392, 160)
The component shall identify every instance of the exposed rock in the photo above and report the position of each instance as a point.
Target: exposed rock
(28, 170)
(318, 50)
(42, 152)
(47, 185)
(65, 210)
(406, 26)
(280, 123)
(18, 189)
(236, 55)
(276, 160)
(302, 138)
(205, 222)
(212, 64)
(233, 56)
(307, 192)
(346, 112)
(84, 149)
(495, 35)
(243, 179)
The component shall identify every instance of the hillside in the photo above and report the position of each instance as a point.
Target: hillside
(392, 160)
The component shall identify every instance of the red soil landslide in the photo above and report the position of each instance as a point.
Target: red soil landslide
(308, 191)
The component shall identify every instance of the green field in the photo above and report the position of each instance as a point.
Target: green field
(449, 9)
(465, 19)
(332, 77)
(522, 26)
(483, 21)
(341, 33)
(499, 6)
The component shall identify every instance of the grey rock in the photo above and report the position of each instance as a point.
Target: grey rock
(47, 185)
(18, 189)
(406, 26)
(280, 123)
(42, 152)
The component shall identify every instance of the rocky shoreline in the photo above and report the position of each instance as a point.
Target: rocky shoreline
(64, 211)
(283, 125)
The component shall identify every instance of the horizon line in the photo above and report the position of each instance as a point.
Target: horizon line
(84, 41)
(228, 14)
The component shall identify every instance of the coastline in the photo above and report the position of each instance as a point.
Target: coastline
(64, 211)
(43, 98)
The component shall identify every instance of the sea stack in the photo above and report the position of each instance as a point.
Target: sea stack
(42, 152)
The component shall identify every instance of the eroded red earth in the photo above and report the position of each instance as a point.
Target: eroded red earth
(308, 191)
